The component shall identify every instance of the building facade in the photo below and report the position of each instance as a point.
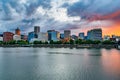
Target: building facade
(1, 37)
(31, 36)
(36, 31)
(42, 37)
(58, 35)
(67, 34)
(17, 31)
(24, 37)
(74, 37)
(17, 37)
(61, 36)
(95, 34)
(52, 35)
(7, 36)
(82, 35)
(88, 35)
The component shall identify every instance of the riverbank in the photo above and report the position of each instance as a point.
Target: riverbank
(65, 46)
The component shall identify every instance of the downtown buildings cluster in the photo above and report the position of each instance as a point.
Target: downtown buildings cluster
(37, 35)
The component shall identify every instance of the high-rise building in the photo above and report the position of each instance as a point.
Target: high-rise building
(52, 35)
(17, 31)
(31, 36)
(36, 31)
(7, 36)
(82, 35)
(61, 36)
(95, 34)
(67, 34)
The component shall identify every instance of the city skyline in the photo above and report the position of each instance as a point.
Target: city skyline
(18, 31)
(75, 15)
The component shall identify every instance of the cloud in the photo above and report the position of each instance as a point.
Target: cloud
(23, 1)
(57, 14)
(60, 14)
(89, 7)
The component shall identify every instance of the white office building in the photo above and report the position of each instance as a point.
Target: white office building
(42, 36)
(1, 38)
(17, 37)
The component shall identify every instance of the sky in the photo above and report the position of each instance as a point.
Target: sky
(75, 15)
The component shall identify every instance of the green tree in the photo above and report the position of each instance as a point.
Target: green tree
(37, 42)
(22, 42)
(88, 42)
(1, 42)
(45, 42)
(96, 42)
(51, 42)
(78, 41)
(108, 42)
(71, 41)
(11, 42)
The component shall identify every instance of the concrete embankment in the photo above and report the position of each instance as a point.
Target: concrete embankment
(64, 46)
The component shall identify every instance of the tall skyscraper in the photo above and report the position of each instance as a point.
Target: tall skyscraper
(52, 35)
(95, 34)
(36, 31)
(17, 31)
(82, 35)
(31, 36)
(67, 34)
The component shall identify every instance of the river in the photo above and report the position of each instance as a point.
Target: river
(59, 64)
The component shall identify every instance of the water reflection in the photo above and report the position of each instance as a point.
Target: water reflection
(59, 64)
(111, 61)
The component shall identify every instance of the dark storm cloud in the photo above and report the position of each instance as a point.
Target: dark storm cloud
(53, 14)
(87, 8)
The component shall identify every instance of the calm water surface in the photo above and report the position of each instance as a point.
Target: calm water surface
(59, 64)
